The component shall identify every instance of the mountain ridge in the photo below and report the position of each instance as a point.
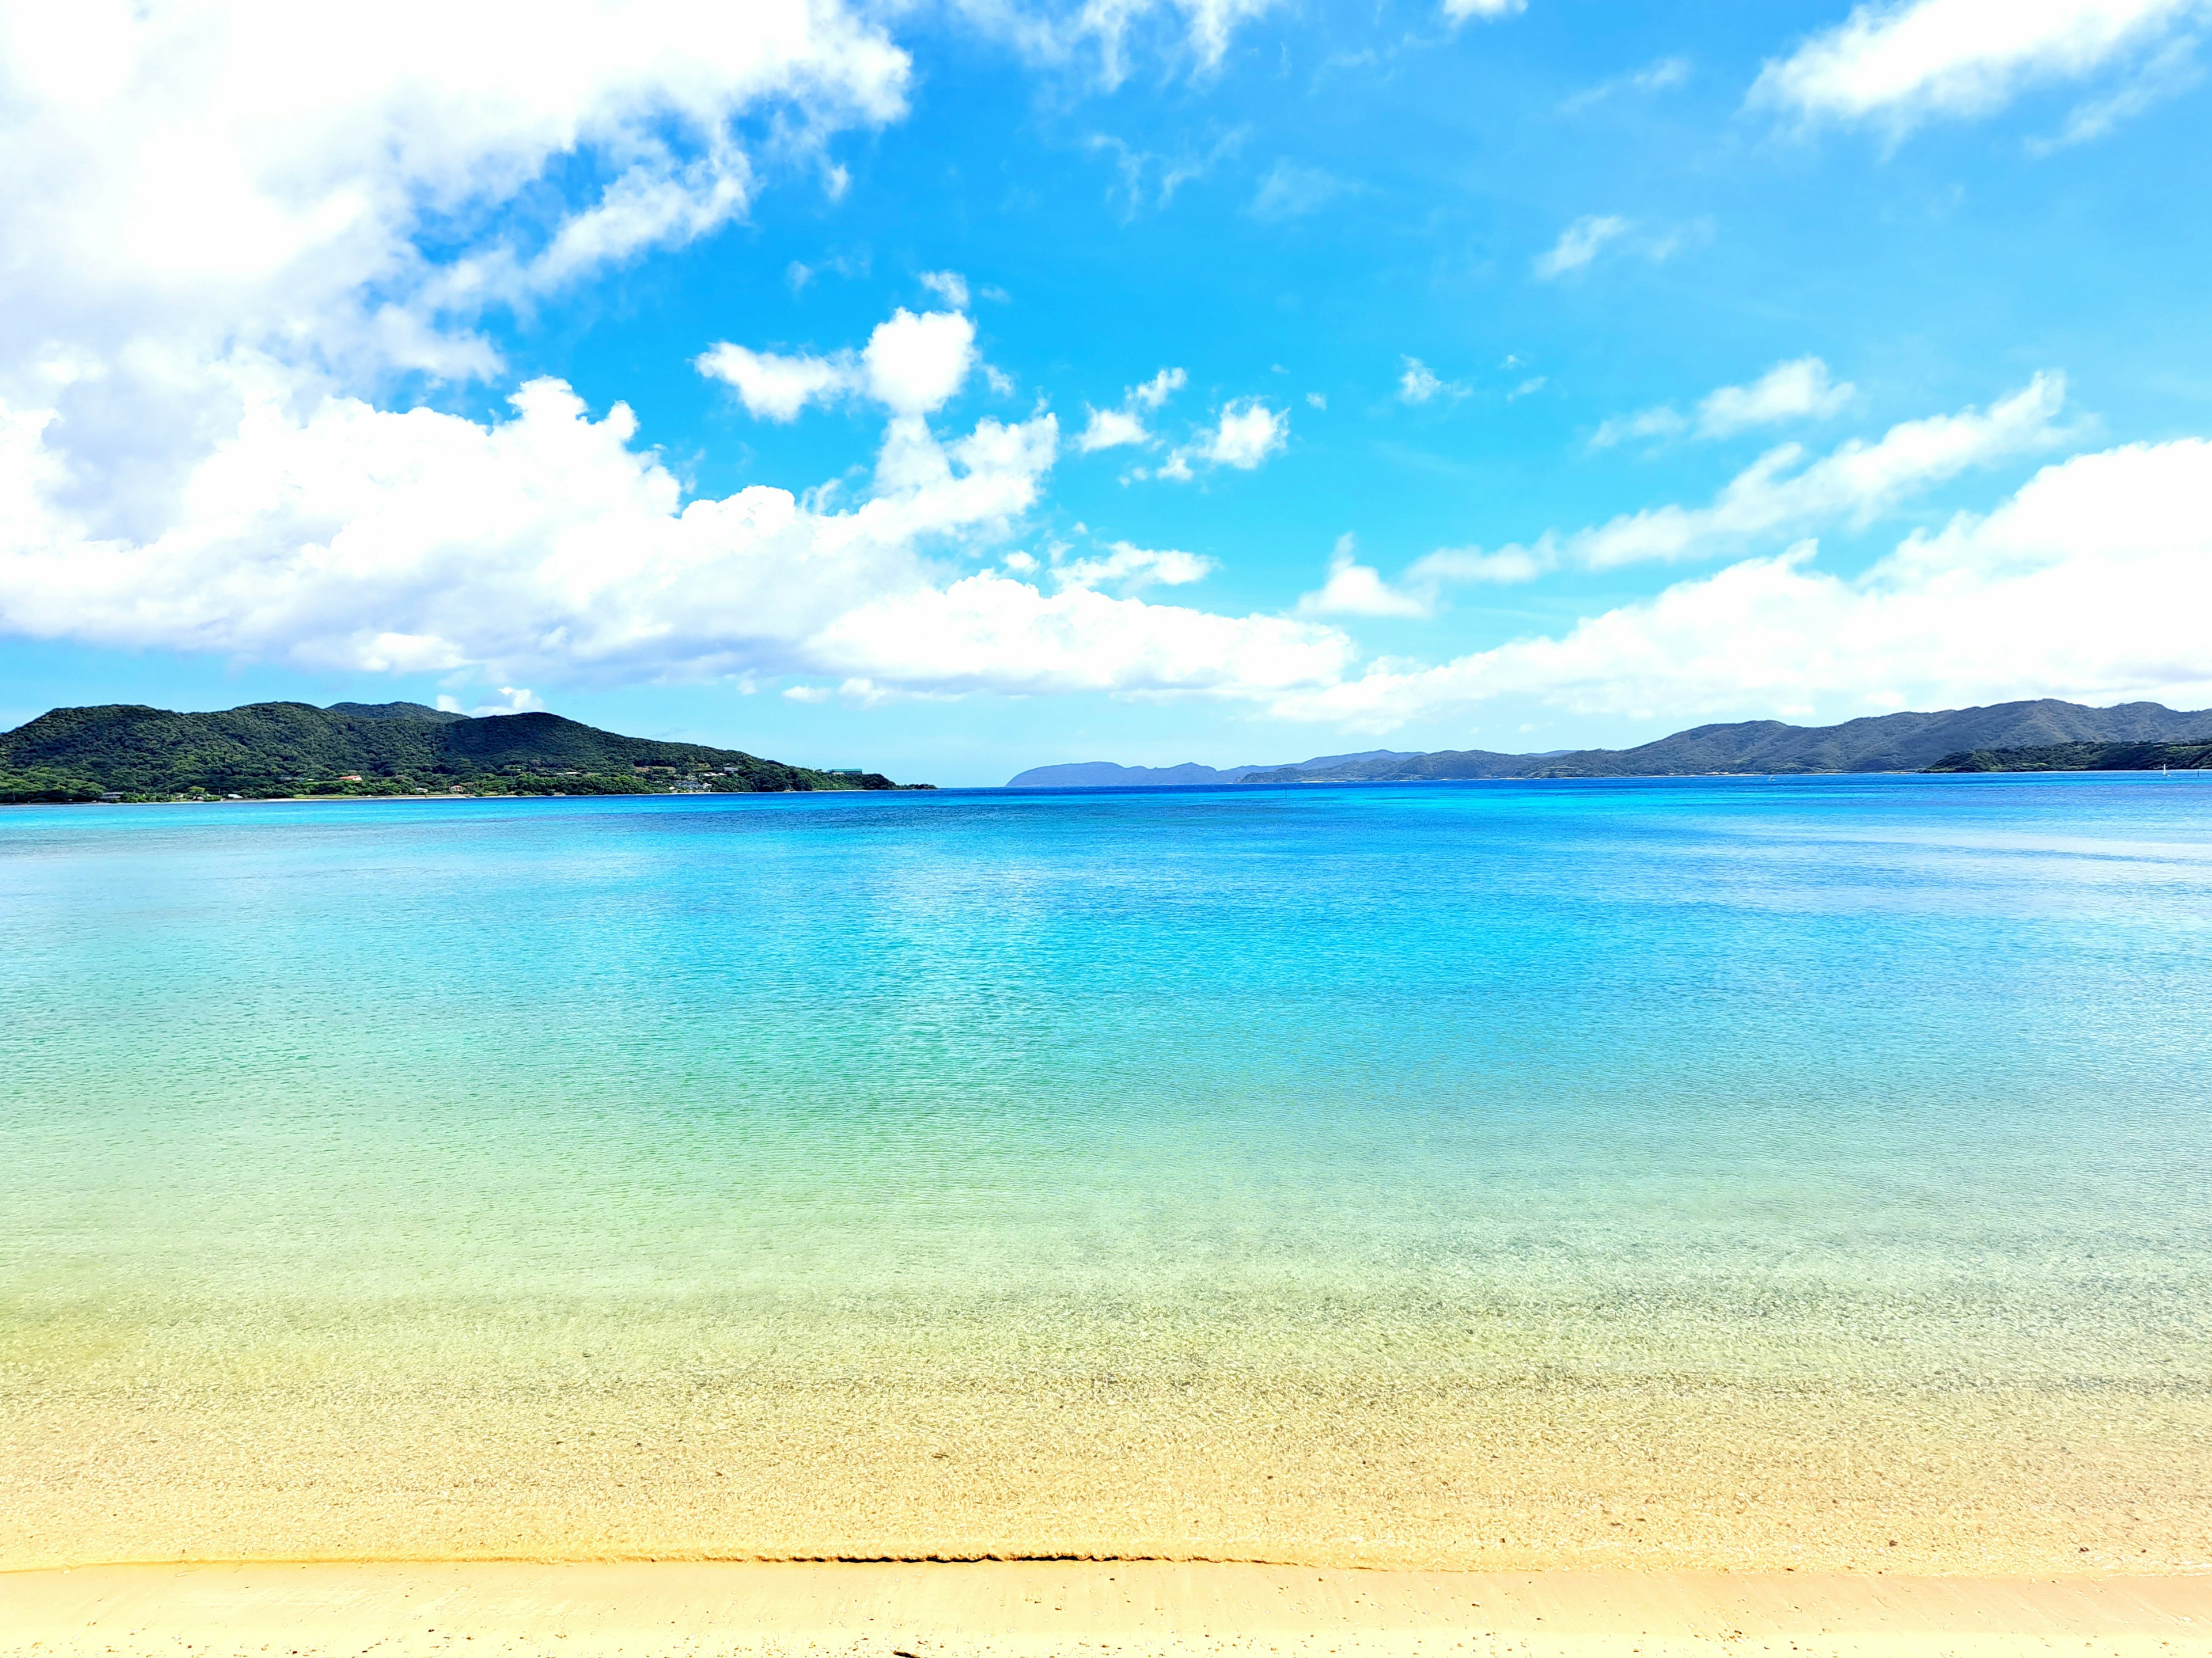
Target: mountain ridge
(1906, 741)
(1107, 773)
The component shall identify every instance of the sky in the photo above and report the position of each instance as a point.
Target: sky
(953, 388)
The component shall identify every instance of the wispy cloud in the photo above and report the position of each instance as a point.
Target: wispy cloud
(1800, 389)
(1291, 192)
(1417, 384)
(1579, 243)
(1652, 77)
(949, 286)
(1460, 11)
(1902, 65)
(1785, 492)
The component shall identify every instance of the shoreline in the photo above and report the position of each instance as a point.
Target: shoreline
(933, 1609)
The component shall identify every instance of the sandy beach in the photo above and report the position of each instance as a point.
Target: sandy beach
(941, 1611)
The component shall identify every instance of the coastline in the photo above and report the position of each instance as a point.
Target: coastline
(933, 1610)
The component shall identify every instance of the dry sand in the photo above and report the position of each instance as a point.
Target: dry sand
(1030, 1608)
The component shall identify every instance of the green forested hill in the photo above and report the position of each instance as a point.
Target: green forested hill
(2084, 757)
(270, 749)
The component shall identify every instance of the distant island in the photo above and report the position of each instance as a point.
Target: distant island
(288, 750)
(1105, 774)
(2045, 735)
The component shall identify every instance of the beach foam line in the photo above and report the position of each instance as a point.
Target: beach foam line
(1031, 1608)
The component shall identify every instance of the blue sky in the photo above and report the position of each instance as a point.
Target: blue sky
(1526, 379)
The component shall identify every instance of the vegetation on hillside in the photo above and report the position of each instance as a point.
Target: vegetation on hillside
(271, 749)
(2084, 757)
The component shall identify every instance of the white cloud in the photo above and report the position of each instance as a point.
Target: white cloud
(512, 699)
(1418, 383)
(1855, 482)
(1112, 428)
(1104, 36)
(1458, 564)
(1158, 390)
(911, 365)
(1316, 400)
(202, 178)
(1458, 11)
(547, 547)
(915, 364)
(1905, 63)
(240, 219)
(1131, 569)
(2090, 583)
(1123, 428)
(1800, 389)
(987, 633)
(775, 387)
(1579, 243)
(1782, 493)
(1356, 589)
(949, 286)
(1246, 434)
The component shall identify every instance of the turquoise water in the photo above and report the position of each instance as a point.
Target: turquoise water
(1867, 1076)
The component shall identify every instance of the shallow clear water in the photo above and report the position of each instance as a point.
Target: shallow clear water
(1921, 1038)
(1878, 1077)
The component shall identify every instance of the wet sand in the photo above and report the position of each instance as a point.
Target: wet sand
(1467, 1474)
(945, 1611)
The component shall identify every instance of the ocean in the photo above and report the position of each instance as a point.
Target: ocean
(1696, 1171)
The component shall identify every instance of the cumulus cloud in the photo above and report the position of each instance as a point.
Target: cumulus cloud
(548, 546)
(1124, 428)
(1903, 65)
(774, 387)
(1356, 589)
(1246, 434)
(1243, 434)
(911, 365)
(1800, 389)
(2088, 583)
(1112, 428)
(200, 177)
